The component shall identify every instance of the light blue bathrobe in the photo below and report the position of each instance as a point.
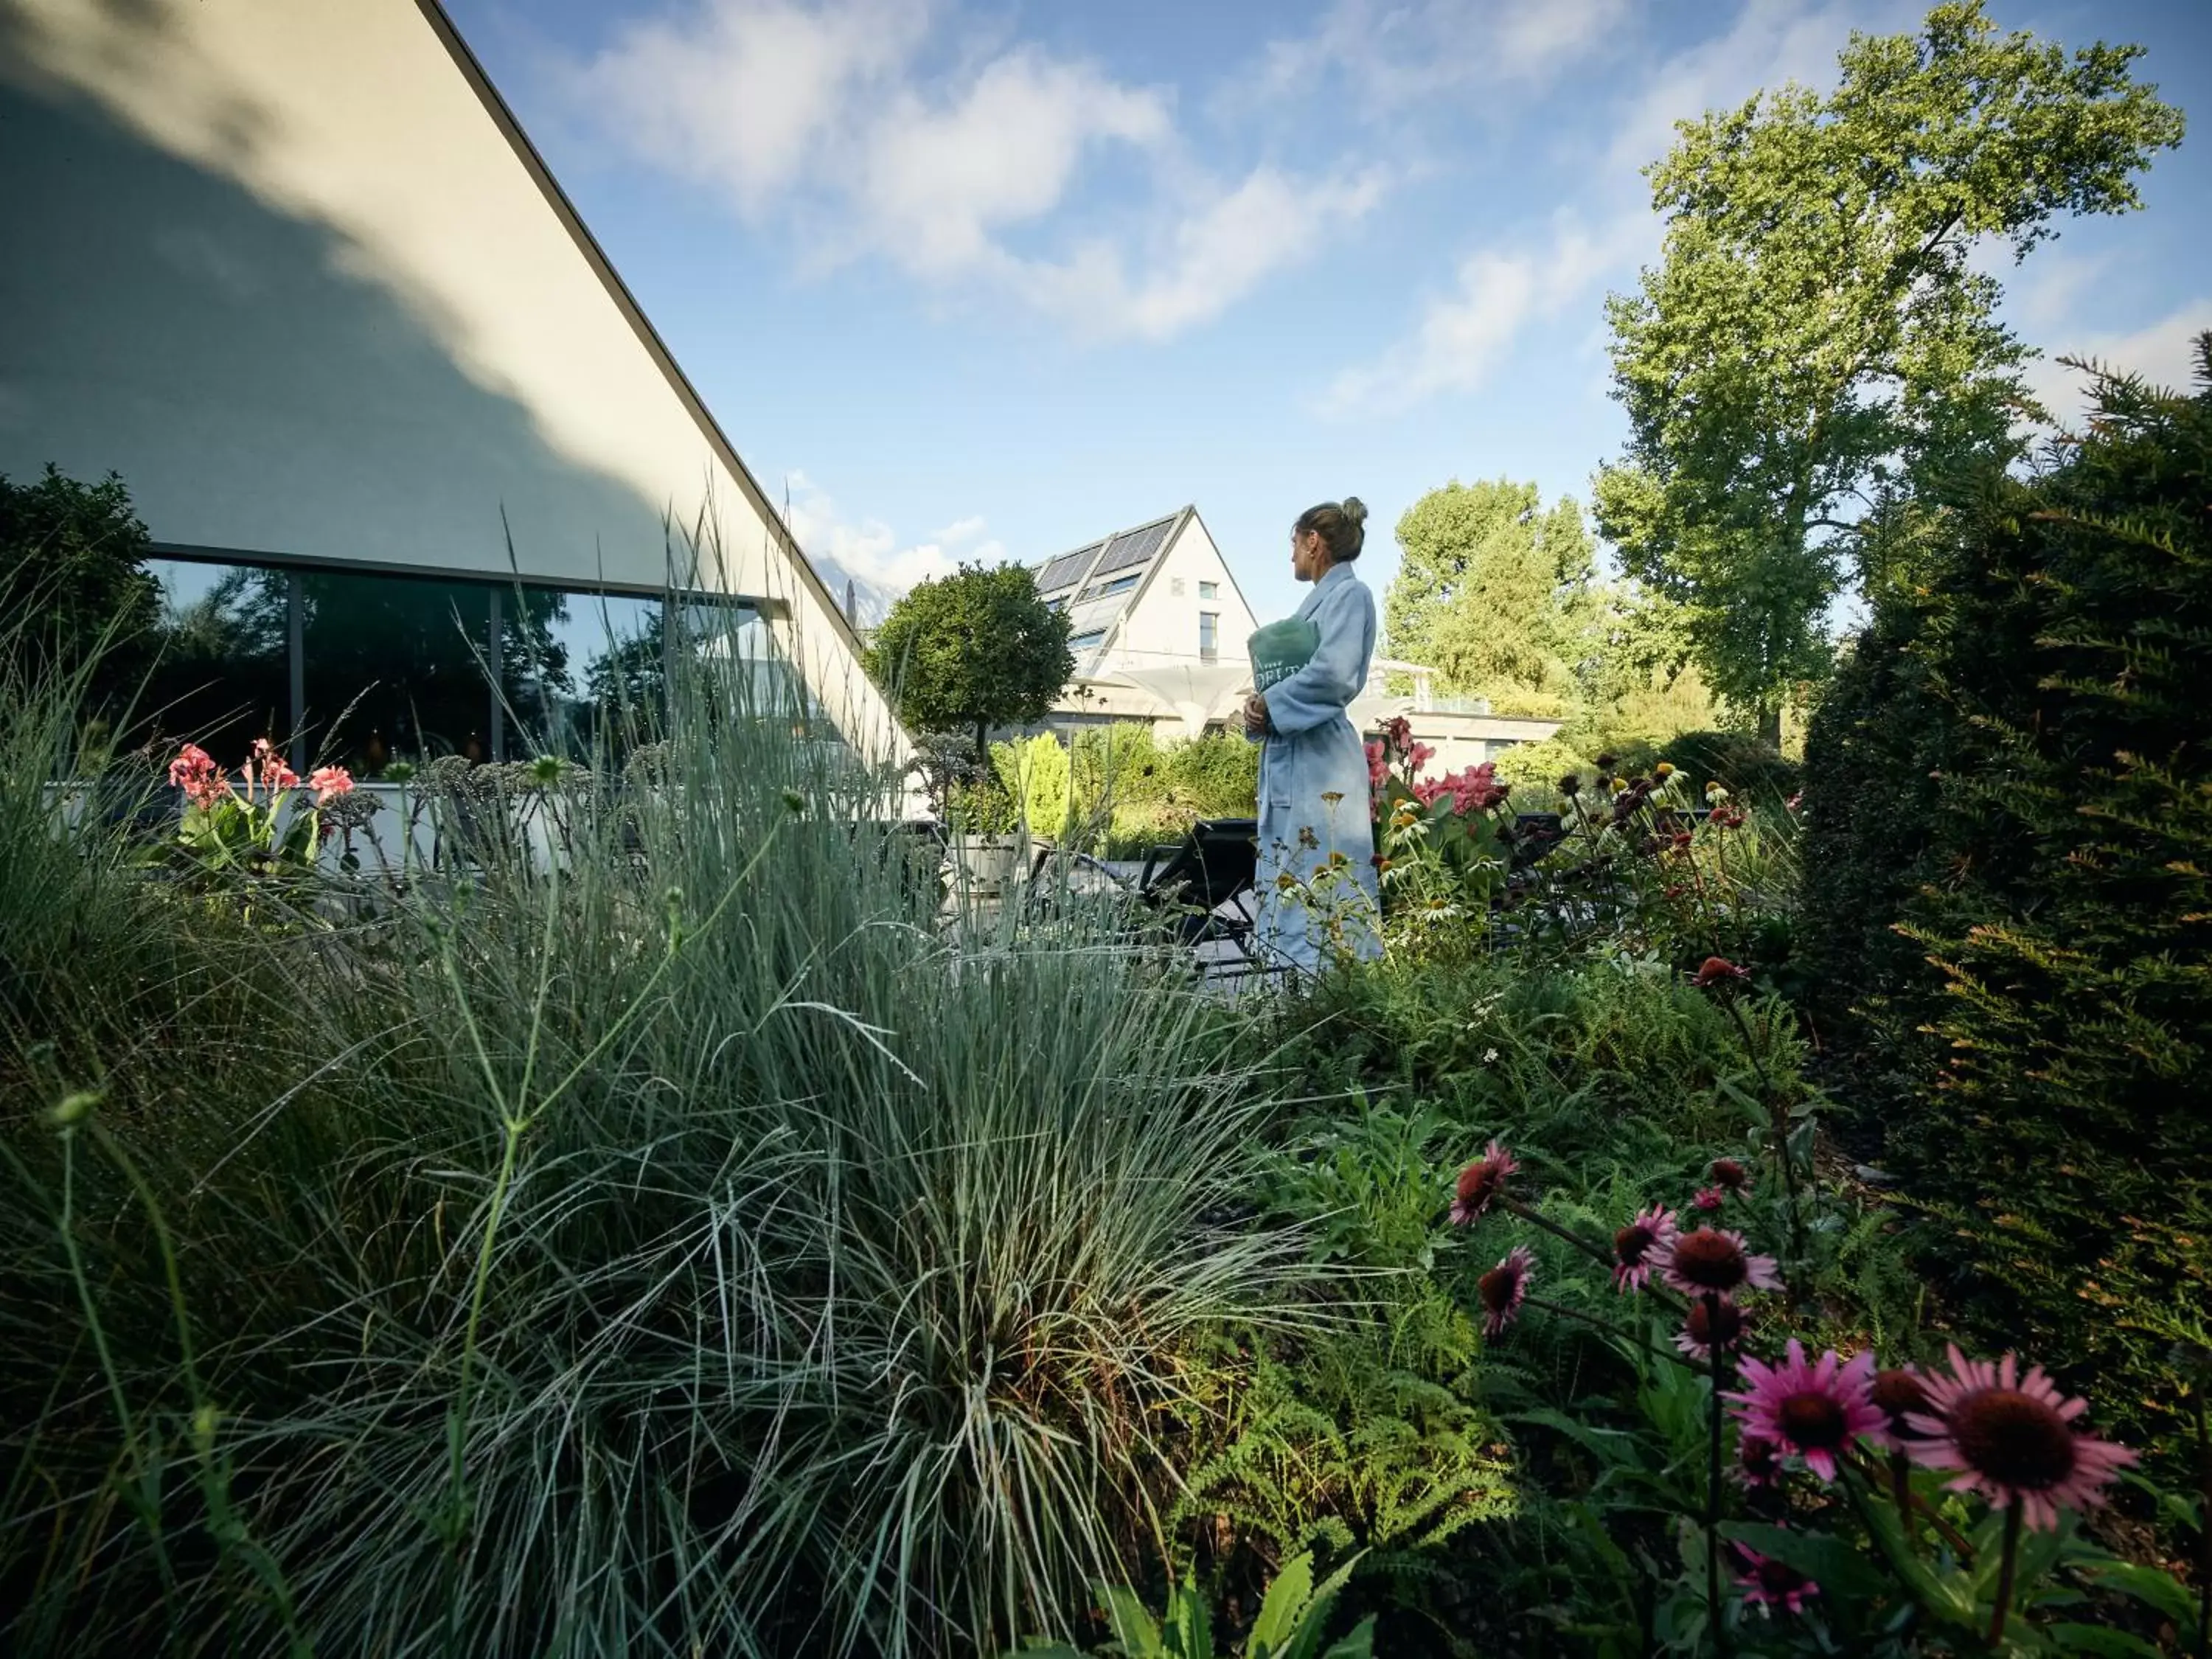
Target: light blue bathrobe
(1312, 750)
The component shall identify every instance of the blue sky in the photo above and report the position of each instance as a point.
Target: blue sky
(993, 279)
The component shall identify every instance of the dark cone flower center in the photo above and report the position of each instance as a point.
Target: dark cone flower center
(1707, 1320)
(1897, 1393)
(1710, 1260)
(2014, 1438)
(1496, 1288)
(1631, 1244)
(1814, 1421)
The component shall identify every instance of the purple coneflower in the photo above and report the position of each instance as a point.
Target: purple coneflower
(1636, 1247)
(1481, 1181)
(1709, 1319)
(1708, 1200)
(1813, 1407)
(1769, 1583)
(1758, 1460)
(1714, 1262)
(1502, 1288)
(1730, 1175)
(2011, 1437)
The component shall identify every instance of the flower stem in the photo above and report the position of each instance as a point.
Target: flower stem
(1528, 1212)
(2005, 1571)
(1781, 1153)
(1713, 1481)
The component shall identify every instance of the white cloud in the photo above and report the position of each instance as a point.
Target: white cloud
(870, 553)
(1464, 336)
(959, 531)
(2164, 353)
(748, 93)
(1392, 53)
(1210, 257)
(1500, 293)
(831, 118)
(938, 178)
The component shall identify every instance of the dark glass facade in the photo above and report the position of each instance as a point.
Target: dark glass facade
(360, 668)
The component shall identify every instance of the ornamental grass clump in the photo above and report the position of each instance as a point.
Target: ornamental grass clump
(695, 1244)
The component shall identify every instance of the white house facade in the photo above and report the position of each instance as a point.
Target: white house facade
(1157, 626)
(295, 271)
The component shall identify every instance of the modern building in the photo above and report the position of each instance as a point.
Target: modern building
(1159, 626)
(418, 470)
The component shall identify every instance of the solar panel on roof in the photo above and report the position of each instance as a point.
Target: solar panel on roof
(1065, 569)
(1133, 547)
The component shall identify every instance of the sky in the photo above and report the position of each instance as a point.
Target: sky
(986, 281)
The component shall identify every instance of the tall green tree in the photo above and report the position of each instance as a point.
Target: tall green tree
(73, 577)
(1814, 356)
(1495, 591)
(973, 650)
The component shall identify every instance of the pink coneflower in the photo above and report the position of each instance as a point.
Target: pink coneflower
(1716, 970)
(1481, 1181)
(1769, 1583)
(1502, 1288)
(1758, 1460)
(1814, 1408)
(1636, 1245)
(2011, 1437)
(1708, 1200)
(1713, 1262)
(1707, 1320)
(328, 781)
(1730, 1175)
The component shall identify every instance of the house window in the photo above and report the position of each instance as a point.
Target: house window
(1205, 590)
(223, 677)
(1085, 641)
(1119, 585)
(1209, 635)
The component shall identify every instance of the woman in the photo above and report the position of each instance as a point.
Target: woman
(1314, 823)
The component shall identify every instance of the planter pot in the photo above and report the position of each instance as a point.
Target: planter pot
(985, 865)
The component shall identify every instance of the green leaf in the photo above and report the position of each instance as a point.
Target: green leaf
(1284, 1605)
(1134, 1631)
(2157, 1589)
(2099, 1638)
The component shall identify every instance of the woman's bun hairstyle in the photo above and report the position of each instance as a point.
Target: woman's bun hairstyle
(1341, 527)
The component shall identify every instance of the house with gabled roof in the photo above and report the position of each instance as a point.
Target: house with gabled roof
(403, 439)
(1157, 625)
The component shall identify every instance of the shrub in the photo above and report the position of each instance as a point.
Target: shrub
(2043, 712)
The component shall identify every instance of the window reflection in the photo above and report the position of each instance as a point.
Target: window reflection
(580, 670)
(222, 678)
(395, 669)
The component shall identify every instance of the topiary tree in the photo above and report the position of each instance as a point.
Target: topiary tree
(971, 651)
(2018, 781)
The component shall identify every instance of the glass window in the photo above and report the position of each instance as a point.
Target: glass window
(574, 667)
(395, 669)
(1120, 585)
(1209, 635)
(222, 677)
(1085, 641)
(1209, 590)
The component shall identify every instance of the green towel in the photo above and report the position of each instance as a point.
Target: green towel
(1280, 649)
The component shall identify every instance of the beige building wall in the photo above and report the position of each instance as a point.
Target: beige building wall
(289, 267)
